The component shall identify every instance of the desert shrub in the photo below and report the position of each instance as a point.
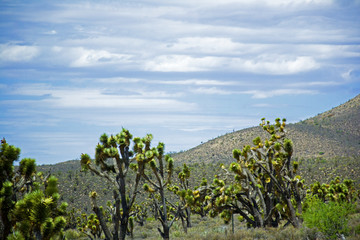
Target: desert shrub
(330, 218)
(288, 233)
(73, 234)
(354, 225)
(144, 235)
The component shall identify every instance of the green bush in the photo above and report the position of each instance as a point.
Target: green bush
(330, 218)
(72, 234)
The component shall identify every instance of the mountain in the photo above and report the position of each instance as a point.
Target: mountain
(334, 133)
(327, 145)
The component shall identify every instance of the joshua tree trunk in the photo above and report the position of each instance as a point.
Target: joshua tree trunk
(165, 233)
(6, 225)
(123, 229)
(165, 224)
(188, 217)
(293, 218)
(100, 216)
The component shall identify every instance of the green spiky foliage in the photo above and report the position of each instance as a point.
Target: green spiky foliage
(194, 200)
(162, 169)
(261, 185)
(335, 191)
(191, 201)
(26, 211)
(113, 162)
(140, 212)
(8, 155)
(184, 192)
(38, 215)
(90, 225)
(131, 226)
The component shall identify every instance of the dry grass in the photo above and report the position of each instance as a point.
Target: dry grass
(214, 229)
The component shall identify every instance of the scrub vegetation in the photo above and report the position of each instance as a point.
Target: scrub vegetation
(275, 181)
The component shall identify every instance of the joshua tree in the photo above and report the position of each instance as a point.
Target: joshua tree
(37, 215)
(261, 185)
(163, 173)
(190, 200)
(336, 191)
(90, 225)
(8, 155)
(113, 162)
(184, 176)
(140, 212)
(26, 211)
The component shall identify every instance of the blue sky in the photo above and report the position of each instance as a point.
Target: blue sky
(186, 71)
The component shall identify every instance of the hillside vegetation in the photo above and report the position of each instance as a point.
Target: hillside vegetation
(334, 133)
(326, 146)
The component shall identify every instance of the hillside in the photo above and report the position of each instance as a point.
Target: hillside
(327, 145)
(334, 133)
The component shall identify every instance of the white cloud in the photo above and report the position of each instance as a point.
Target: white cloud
(184, 82)
(91, 100)
(204, 45)
(327, 51)
(212, 90)
(116, 80)
(347, 75)
(73, 98)
(260, 3)
(270, 64)
(90, 57)
(263, 64)
(197, 82)
(17, 53)
(100, 13)
(260, 94)
(296, 3)
(226, 47)
(78, 57)
(182, 63)
(51, 32)
(314, 84)
(278, 92)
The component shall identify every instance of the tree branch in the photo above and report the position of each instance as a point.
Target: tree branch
(100, 216)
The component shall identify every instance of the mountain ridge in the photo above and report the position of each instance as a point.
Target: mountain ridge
(333, 133)
(325, 146)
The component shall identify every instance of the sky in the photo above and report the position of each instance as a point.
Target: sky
(186, 71)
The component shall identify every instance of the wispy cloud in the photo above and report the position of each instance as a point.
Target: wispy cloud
(280, 64)
(184, 70)
(314, 84)
(264, 64)
(212, 90)
(279, 92)
(96, 98)
(199, 82)
(82, 57)
(17, 53)
(204, 45)
(182, 63)
(88, 58)
(51, 32)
